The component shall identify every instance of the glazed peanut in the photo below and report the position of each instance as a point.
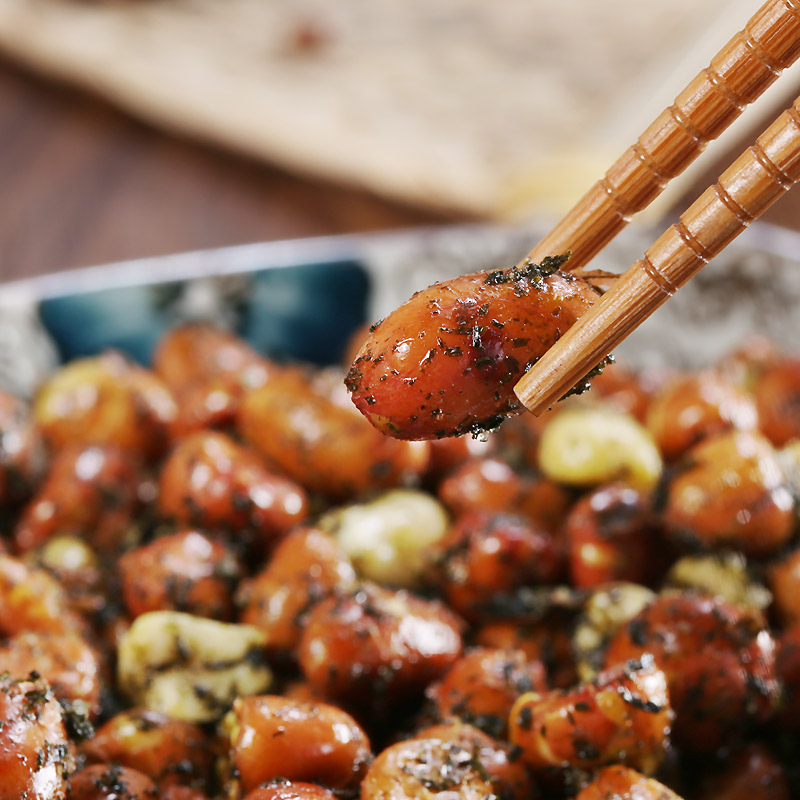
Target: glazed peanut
(99, 610)
(66, 661)
(208, 370)
(547, 641)
(784, 581)
(704, 642)
(306, 567)
(21, 450)
(106, 400)
(325, 447)
(748, 773)
(485, 558)
(34, 751)
(290, 790)
(624, 716)
(734, 493)
(90, 491)
(111, 782)
(427, 769)
(273, 737)
(482, 686)
(210, 481)
(787, 669)
(695, 407)
(185, 571)
(168, 751)
(624, 390)
(490, 484)
(33, 600)
(496, 759)
(376, 648)
(611, 537)
(622, 782)
(777, 396)
(446, 361)
(447, 454)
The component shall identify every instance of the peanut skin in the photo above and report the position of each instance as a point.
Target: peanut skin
(446, 361)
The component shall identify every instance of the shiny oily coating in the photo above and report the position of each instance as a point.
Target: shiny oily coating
(445, 362)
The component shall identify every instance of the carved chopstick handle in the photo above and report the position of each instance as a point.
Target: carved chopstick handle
(762, 174)
(736, 76)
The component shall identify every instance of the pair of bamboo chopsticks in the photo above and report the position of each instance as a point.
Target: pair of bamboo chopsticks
(736, 76)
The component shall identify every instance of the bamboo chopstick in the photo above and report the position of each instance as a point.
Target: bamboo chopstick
(762, 174)
(737, 75)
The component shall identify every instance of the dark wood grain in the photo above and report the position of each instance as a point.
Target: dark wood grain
(81, 183)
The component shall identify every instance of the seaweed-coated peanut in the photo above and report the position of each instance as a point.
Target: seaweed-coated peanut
(497, 759)
(625, 390)
(282, 789)
(733, 493)
(752, 772)
(374, 647)
(622, 717)
(108, 400)
(547, 640)
(90, 492)
(787, 668)
(34, 751)
(65, 660)
(271, 737)
(210, 481)
(111, 782)
(185, 571)
(177, 792)
(695, 407)
(21, 450)
(427, 769)
(197, 351)
(745, 363)
(489, 484)
(33, 600)
(593, 445)
(448, 454)
(208, 370)
(169, 751)
(611, 537)
(481, 483)
(481, 687)
(306, 567)
(485, 557)
(446, 361)
(777, 394)
(76, 566)
(325, 447)
(784, 581)
(719, 661)
(622, 782)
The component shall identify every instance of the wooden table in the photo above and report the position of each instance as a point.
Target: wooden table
(81, 184)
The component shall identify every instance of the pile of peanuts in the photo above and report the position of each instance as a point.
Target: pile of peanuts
(219, 582)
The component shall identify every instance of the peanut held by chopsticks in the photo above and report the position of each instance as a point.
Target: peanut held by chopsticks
(446, 361)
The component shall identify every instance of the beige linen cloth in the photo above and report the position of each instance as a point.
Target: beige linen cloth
(493, 108)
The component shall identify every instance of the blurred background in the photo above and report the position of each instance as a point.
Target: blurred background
(131, 128)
